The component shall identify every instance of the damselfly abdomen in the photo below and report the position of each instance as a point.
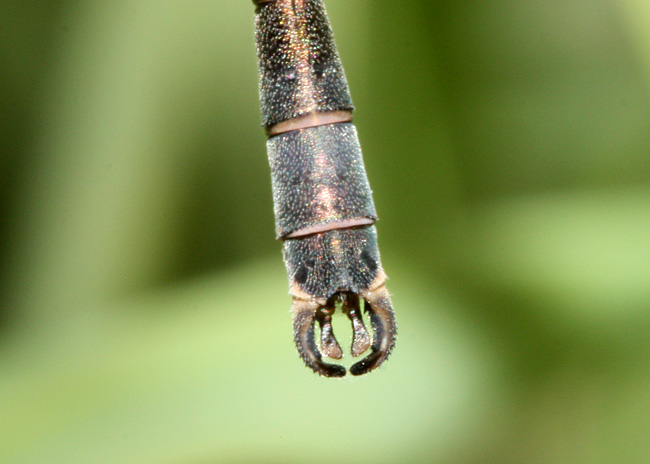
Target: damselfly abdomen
(323, 203)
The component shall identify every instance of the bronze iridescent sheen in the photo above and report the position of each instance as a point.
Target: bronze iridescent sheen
(299, 67)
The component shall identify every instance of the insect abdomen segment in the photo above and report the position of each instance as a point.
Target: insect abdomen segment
(318, 177)
(322, 199)
(299, 67)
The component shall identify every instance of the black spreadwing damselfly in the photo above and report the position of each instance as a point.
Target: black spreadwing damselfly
(323, 204)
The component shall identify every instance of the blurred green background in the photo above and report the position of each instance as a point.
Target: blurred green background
(144, 315)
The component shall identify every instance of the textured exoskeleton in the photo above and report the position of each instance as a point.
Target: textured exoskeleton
(323, 204)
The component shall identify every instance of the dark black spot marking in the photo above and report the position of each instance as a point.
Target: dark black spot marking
(301, 275)
(369, 260)
(319, 69)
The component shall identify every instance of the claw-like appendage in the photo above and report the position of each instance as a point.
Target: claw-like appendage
(361, 339)
(384, 327)
(378, 306)
(329, 346)
(304, 313)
